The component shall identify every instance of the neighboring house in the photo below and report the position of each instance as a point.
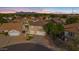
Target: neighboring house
(72, 27)
(63, 20)
(57, 20)
(8, 18)
(10, 27)
(71, 30)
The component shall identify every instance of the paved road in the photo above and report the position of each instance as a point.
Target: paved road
(25, 47)
(39, 40)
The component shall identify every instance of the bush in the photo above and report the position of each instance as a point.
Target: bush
(53, 29)
(71, 20)
(29, 37)
(4, 33)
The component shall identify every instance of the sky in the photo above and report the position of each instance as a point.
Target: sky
(40, 9)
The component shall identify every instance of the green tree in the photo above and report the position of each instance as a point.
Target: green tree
(3, 20)
(71, 20)
(54, 29)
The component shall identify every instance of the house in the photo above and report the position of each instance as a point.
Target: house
(57, 20)
(10, 27)
(71, 30)
(34, 28)
(72, 27)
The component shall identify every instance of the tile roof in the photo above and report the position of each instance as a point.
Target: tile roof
(10, 26)
(72, 27)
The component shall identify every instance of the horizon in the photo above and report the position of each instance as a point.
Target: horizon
(40, 9)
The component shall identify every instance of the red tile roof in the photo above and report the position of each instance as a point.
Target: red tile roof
(10, 26)
(72, 27)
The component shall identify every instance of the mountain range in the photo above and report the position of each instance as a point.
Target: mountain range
(28, 12)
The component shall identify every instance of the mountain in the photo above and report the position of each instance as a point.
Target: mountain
(25, 12)
(33, 12)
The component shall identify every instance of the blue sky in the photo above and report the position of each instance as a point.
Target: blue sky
(42, 9)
